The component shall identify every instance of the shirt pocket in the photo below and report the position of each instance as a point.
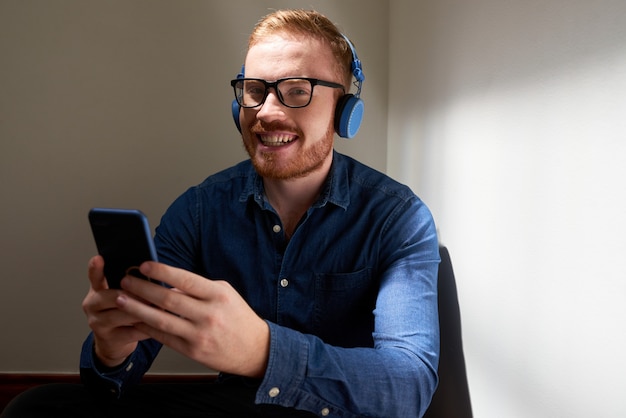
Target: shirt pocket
(344, 304)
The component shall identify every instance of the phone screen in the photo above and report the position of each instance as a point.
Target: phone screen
(123, 238)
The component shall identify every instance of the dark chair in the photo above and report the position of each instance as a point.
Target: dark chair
(451, 399)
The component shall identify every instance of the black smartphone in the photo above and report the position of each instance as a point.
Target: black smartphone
(123, 238)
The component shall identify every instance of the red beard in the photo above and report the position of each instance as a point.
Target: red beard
(307, 161)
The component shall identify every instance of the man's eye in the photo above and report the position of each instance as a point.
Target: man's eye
(296, 88)
(255, 90)
(297, 92)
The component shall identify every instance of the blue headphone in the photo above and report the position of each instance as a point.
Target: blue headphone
(349, 110)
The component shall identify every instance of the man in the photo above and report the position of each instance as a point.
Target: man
(321, 298)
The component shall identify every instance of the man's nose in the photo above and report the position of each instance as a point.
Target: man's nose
(272, 108)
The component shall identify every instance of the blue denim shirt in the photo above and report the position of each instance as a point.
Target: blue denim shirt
(350, 299)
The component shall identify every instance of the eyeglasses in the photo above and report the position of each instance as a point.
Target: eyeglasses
(292, 92)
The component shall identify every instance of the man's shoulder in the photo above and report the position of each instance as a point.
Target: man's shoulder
(370, 180)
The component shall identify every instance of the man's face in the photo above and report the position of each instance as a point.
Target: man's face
(287, 143)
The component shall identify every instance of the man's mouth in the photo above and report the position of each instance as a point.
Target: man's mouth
(276, 140)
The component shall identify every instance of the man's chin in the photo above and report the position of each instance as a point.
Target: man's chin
(271, 170)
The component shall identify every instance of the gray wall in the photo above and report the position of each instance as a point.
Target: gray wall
(123, 104)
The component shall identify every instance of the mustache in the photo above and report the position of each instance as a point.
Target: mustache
(259, 127)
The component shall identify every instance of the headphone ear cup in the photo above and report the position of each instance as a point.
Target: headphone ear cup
(348, 115)
(235, 110)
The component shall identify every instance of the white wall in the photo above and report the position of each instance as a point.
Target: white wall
(507, 117)
(123, 103)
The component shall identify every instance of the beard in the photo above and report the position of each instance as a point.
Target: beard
(307, 161)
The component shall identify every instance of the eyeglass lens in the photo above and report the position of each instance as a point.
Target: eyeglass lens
(292, 92)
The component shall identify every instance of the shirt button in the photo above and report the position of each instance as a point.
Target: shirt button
(325, 412)
(284, 283)
(276, 228)
(130, 366)
(274, 392)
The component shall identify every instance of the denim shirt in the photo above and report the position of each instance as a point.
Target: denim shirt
(350, 299)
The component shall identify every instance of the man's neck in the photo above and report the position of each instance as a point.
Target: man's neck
(292, 198)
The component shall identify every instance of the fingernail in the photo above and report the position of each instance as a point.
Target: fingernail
(121, 300)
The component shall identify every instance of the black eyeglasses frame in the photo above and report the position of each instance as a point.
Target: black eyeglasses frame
(274, 84)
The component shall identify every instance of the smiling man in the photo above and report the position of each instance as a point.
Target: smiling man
(306, 278)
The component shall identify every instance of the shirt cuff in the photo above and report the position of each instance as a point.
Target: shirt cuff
(106, 382)
(286, 371)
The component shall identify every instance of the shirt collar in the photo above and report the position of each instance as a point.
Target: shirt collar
(336, 189)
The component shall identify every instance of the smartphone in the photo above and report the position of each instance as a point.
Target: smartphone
(124, 239)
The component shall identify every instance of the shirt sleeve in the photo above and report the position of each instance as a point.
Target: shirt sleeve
(305, 373)
(110, 383)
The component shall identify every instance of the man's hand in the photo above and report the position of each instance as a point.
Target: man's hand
(205, 320)
(114, 330)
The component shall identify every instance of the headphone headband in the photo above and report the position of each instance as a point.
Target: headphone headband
(357, 69)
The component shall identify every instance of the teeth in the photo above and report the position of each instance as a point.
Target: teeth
(276, 140)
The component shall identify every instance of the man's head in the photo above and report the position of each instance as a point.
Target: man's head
(285, 136)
